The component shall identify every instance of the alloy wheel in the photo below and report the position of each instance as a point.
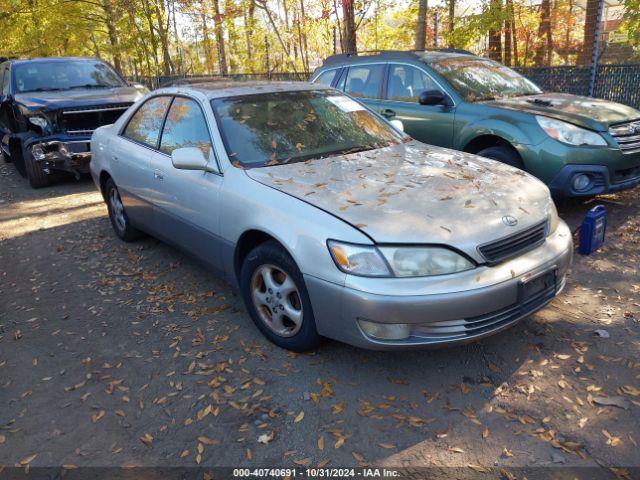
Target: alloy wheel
(117, 209)
(277, 300)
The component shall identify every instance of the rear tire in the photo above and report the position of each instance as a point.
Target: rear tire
(503, 154)
(117, 214)
(276, 297)
(37, 177)
(4, 157)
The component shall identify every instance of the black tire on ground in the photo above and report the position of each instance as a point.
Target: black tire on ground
(4, 157)
(272, 254)
(504, 154)
(119, 219)
(37, 177)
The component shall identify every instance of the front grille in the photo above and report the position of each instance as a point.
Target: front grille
(513, 245)
(474, 326)
(626, 174)
(627, 135)
(82, 121)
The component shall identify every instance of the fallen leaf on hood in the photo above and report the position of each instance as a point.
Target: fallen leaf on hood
(299, 417)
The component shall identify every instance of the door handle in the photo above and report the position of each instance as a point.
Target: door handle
(158, 175)
(388, 113)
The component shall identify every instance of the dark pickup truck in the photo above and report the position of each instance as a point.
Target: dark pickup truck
(49, 108)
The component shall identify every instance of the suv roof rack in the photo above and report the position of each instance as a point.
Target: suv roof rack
(392, 54)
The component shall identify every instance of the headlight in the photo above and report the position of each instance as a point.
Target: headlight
(424, 261)
(568, 133)
(553, 219)
(363, 260)
(41, 122)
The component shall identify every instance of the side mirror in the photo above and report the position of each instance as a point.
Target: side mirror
(190, 158)
(397, 124)
(434, 97)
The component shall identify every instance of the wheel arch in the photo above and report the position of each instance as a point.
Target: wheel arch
(104, 176)
(249, 240)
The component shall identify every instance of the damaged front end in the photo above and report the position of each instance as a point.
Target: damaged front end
(60, 140)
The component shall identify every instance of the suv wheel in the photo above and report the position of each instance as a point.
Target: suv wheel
(275, 295)
(118, 215)
(503, 154)
(37, 177)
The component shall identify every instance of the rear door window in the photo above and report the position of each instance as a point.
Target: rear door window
(185, 127)
(364, 81)
(326, 78)
(145, 125)
(406, 83)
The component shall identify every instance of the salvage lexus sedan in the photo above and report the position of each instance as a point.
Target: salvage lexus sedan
(331, 222)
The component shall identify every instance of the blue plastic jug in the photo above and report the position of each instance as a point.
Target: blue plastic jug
(592, 230)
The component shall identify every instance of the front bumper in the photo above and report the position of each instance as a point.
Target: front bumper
(479, 304)
(556, 164)
(61, 152)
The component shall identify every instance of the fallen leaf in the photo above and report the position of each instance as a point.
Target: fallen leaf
(299, 417)
(387, 445)
(265, 438)
(619, 402)
(28, 460)
(147, 439)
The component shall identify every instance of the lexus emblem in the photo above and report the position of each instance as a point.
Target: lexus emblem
(510, 220)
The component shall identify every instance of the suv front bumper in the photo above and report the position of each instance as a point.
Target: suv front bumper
(61, 152)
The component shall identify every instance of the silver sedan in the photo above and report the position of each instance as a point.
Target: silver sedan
(330, 221)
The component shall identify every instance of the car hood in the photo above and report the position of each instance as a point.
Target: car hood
(415, 193)
(80, 97)
(587, 112)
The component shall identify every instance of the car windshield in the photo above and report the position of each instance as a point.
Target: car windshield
(283, 127)
(479, 79)
(41, 76)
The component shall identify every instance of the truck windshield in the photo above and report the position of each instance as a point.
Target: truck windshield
(284, 127)
(478, 79)
(51, 75)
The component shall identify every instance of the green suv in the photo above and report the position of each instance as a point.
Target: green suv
(576, 145)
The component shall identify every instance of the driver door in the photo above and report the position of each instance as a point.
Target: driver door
(432, 124)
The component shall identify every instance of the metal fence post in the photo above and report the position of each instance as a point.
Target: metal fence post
(266, 47)
(335, 47)
(596, 50)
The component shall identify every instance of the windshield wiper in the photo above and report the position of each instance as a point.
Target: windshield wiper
(42, 89)
(90, 85)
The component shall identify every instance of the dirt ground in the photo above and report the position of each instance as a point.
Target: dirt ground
(116, 354)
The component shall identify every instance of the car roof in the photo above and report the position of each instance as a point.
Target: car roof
(231, 88)
(426, 56)
(16, 61)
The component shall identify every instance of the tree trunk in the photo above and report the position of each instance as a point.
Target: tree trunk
(452, 20)
(495, 34)
(585, 57)
(421, 26)
(508, 31)
(110, 16)
(514, 36)
(222, 57)
(545, 40)
(206, 42)
(349, 43)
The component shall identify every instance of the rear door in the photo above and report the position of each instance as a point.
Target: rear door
(131, 157)
(432, 124)
(190, 210)
(364, 82)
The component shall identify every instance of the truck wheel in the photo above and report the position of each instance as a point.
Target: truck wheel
(4, 157)
(117, 214)
(37, 177)
(504, 154)
(274, 292)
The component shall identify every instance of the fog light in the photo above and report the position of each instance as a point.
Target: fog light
(38, 152)
(385, 331)
(581, 182)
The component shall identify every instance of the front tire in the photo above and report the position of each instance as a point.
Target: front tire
(503, 154)
(37, 177)
(276, 297)
(117, 214)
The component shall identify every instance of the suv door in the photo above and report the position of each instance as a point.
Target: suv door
(364, 82)
(189, 212)
(432, 124)
(131, 158)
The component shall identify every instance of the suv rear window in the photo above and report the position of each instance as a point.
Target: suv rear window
(325, 78)
(364, 81)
